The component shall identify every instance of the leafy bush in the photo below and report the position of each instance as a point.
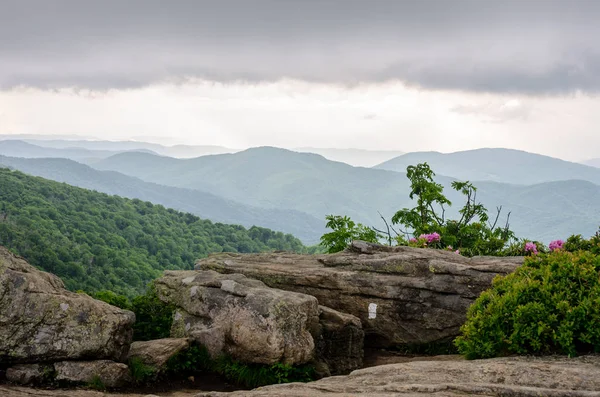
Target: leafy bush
(551, 304)
(153, 317)
(197, 359)
(344, 231)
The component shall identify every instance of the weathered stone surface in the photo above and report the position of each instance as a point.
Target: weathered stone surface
(402, 295)
(110, 373)
(29, 374)
(19, 391)
(340, 341)
(41, 321)
(156, 353)
(241, 317)
(515, 377)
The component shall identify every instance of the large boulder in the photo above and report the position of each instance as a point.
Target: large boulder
(515, 377)
(241, 317)
(41, 321)
(402, 295)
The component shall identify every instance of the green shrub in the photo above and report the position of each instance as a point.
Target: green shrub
(140, 372)
(549, 305)
(344, 231)
(153, 317)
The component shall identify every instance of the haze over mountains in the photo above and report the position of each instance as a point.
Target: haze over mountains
(292, 191)
(499, 165)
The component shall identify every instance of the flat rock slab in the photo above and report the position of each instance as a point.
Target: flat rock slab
(402, 295)
(40, 321)
(515, 377)
(241, 317)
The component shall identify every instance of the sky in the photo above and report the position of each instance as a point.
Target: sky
(443, 75)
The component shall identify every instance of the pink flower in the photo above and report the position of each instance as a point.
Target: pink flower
(556, 245)
(457, 252)
(433, 237)
(412, 240)
(531, 247)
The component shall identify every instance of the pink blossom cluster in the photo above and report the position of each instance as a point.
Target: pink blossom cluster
(556, 245)
(531, 247)
(431, 238)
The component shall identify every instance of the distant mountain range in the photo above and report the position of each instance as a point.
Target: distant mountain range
(292, 191)
(277, 178)
(91, 150)
(16, 148)
(498, 165)
(206, 205)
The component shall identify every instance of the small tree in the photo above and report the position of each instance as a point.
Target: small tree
(344, 231)
(472, 234)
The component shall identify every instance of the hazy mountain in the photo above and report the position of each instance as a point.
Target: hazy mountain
(592, 162)
(203, 204)
(277, 178)
(499, 165)
(179, 151)
(16, 148)
(355, 157)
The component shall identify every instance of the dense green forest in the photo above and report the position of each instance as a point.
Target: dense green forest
(95, 241)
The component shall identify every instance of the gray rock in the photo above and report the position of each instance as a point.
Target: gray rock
(30, 374)
(515, 377)
(156, 353)
(339, 342)
(41, 321)
(241, 317)
(402, 295)
(110, 373)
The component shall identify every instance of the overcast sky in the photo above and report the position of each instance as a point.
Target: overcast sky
(405, 75)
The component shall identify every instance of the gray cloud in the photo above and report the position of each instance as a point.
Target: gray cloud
(537, 47)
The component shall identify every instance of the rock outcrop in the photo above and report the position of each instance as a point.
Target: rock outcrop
(241, 317)
(515, 377)
(105, 372)
(40, 321)
(402, 295)
(156, 353)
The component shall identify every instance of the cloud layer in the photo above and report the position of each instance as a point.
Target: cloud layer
(527, 47)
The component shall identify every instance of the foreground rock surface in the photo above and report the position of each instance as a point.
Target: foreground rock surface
(109, 373)
(515, 377)
(41, 321)
(241, 317)
(402, 295)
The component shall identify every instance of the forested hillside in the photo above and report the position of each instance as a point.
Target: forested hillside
(204, 204)
(95, 241)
